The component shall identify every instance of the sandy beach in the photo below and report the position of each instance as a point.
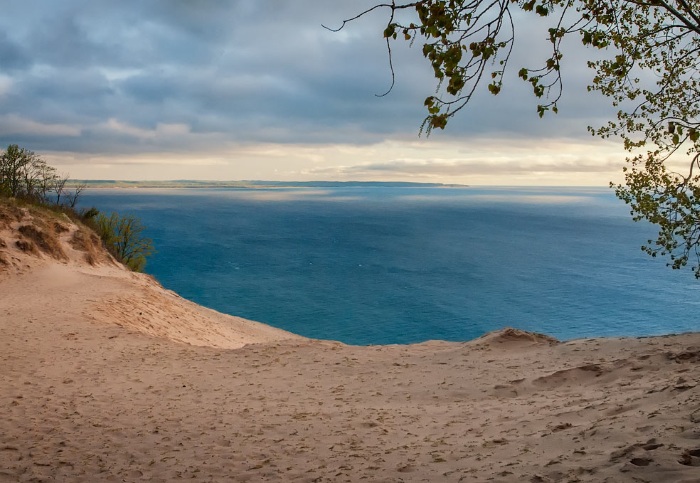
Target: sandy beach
(107, 376)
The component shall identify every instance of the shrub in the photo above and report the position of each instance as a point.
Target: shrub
(89, 214)
(123, 237)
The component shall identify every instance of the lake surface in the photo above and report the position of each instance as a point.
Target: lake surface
(382, 265)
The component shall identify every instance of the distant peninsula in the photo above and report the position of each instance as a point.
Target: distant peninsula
(255, 184)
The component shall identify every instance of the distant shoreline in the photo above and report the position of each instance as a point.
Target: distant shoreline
(255, 184)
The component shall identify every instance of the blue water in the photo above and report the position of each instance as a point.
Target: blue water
(381, 265)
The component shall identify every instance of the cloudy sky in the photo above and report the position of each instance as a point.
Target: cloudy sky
(258, 89)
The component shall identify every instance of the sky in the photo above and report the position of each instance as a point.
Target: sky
(258, 89)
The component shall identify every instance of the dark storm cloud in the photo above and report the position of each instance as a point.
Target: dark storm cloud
(113, 74)
(12, 56)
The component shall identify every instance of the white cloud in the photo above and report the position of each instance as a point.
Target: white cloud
(14, 125)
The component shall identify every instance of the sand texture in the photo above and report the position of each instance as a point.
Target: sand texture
(106, 376)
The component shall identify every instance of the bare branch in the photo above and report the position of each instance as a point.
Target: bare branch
(391, 5)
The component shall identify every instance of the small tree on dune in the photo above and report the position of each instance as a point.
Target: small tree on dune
(16, 174)
(123, 237)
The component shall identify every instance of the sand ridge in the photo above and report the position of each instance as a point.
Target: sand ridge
(106, 376)
(116, 295)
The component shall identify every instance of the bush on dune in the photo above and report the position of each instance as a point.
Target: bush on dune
(123, 237)
(28, 182)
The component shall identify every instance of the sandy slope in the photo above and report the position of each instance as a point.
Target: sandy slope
(96, 384)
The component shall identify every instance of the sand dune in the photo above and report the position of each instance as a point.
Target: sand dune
(106, 376)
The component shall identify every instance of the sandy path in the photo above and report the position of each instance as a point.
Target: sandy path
(86, 400)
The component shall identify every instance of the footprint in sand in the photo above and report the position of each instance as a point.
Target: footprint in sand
(690, 457)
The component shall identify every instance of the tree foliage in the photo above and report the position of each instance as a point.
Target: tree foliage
(647, 63)
(123, 237)
(24, 174)
(21, 171)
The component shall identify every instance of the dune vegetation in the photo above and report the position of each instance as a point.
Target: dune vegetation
(29, 184)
